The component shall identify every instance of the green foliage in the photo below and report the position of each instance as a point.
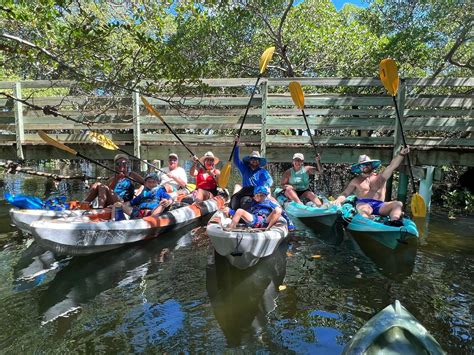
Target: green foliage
(458, 202)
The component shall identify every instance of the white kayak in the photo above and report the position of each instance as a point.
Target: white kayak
(393, 330)
(22, 218)
(82, 236)
(244, 247)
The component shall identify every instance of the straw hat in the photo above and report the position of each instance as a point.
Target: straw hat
(364, 159)
(121, 156)
(255, 155)
(209, 155)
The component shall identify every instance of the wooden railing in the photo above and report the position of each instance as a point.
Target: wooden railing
(439, 127)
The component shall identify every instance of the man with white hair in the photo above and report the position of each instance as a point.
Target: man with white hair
(370, 188)
(173, 176)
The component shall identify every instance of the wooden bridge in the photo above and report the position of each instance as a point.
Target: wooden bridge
(351, 116)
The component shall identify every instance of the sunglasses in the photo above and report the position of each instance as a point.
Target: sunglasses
(121, 163)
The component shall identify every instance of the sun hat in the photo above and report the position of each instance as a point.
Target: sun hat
(173, 155)
(209, 155)
(255, 155)
(364, 159)
(299, 156)
(121, 156)
(260, 190)
(153, 176)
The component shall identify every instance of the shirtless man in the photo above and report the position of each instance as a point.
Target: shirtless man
(370, 188)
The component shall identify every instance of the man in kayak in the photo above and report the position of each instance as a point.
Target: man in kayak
(370, 187)
(174, 176)
(253, 174)
(119, 188)
(262, 213)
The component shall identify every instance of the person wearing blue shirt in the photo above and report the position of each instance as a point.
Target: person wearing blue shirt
(253, 175)
(262, 213)
(152, 201)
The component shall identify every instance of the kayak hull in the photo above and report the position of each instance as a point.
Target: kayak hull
(81, 236)
(311, 214)
(245, 247)
(393, 331)
(388, 236)
(22, 218)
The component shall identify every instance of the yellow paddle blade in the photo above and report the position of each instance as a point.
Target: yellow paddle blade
(55, 143)
(102, 140)
(190, 187)
(151, 109)
(297, 94)
(266, 58)
(418, 206)
(389, 75)
(225, 175)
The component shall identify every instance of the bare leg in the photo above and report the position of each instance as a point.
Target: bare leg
(292, 195)
(93, 192)
(202, 195)
(273, 217)
(392, 209)
(365, 210)
(107, 197)
(240, 213)
(312, 197)
(157, 211)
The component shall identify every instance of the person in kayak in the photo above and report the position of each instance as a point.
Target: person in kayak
(253, 174)
(206, 180)
(295, 181)
(118, 189)
(152, 201)
(370, 187)
(263, 213)
(173, 176)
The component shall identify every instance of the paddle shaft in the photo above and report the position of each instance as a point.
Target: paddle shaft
(308, 130)
(105, 167)
(405, 144)
(245, 115)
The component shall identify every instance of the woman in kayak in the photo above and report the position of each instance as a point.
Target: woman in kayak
(295, 181)
(206, 179)
(152, 201)
(263, 213)
(119, 187)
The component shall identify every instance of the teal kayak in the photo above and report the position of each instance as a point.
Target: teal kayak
(389, 236)
(393, 331)
(308, 213)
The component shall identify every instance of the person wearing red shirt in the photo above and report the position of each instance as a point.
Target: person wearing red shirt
(206, 179)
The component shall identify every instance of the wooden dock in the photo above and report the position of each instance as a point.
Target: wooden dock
(351, 116)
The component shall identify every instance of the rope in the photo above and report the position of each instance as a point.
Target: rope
(13, 168)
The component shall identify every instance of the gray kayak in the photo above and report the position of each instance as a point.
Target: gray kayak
(393, 331)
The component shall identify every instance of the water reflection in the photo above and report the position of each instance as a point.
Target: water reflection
(34, 265)
(242, 299)
(86, 277)
(395, 264)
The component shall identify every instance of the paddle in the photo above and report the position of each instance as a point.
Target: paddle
(298, 98)
(390, 80)
(225, 172)
(107, 143)
(61, 146)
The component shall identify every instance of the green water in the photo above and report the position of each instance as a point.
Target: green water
(173, 294)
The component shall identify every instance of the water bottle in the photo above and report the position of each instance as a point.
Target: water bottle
(119, 215)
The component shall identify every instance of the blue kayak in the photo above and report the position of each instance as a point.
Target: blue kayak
(389, 236)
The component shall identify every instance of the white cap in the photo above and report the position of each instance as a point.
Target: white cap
(299, 156)
(174, 155)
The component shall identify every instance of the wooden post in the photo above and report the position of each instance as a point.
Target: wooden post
(402, 188)
(19, 127)
(136, 128)
(263, 133)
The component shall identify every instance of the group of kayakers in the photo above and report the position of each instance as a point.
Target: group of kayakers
(252, 201)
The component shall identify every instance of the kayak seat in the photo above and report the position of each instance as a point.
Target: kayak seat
(396, 340)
